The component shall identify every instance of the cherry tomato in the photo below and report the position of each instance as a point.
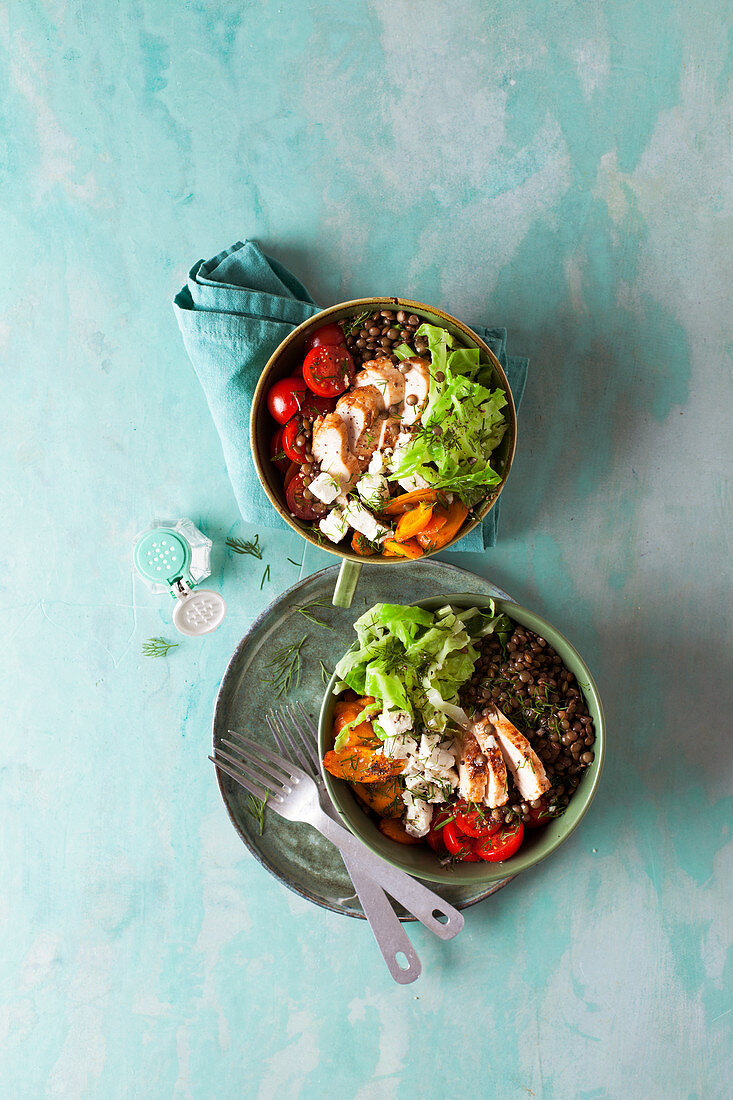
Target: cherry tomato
(501, 845)
(291, 432)
(314, 406)
(474, 821)
(328, 371)
(458, 844)
(435, 836)
(538, 815)
(285, 398)
(326, 336)
(292, 470)
(276, 451)
(299, 505)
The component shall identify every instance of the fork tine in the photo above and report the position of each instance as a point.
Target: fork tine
(278, 739)
(275, 788)
(294, 746)
(248, 786)
(258, 751)
(305, 740)
(256, 765)
(308, 722)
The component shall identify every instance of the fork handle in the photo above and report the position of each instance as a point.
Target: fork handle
(424, 904)
(392, 940)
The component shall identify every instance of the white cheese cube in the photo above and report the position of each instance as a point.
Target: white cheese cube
(364, 522)
(395, 722)
(325, 487)
(373, 490)
(418, 816)
(377, 463)
(335, 525)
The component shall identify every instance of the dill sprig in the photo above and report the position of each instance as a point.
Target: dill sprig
(285, 665)
(243, 546)
(255, 807)
(350, 325)
(310, 615)
(158, 647)
(265, 576)
(325, 674)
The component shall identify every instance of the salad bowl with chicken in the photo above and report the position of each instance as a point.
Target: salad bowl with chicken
(461, 738)
(382, 429)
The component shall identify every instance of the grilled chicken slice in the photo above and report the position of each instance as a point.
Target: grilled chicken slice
(417, 385)
(331, 448)
(358, 409)
(523, 762)
(473, 771)
(389, 429)
(385, 376)
(497, 787)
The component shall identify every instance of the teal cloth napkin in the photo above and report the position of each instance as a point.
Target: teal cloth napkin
(233, 312)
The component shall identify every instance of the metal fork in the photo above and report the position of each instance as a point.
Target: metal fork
(291, 793)
(391, 937)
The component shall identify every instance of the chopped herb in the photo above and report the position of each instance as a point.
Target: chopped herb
(353, 324)
(325, 674)
(265, 577)
(310, 615)
(256, 808)
(242, 546)
(297, 564)
(285, 665)
(158, 647)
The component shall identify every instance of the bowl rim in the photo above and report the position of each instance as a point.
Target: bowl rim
(494, 871)
(263, 384)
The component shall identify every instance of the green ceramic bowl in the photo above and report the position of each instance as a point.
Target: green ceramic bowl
(421, 861)
(289, 356)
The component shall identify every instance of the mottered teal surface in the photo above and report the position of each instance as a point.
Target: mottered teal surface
(563, 170)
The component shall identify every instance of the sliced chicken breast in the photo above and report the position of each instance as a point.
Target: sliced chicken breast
(417, 386)
(472, 769)
(358, 410)
(389, 429)
(331, 448)
(497, 785)
(385, 376)
(523, 762)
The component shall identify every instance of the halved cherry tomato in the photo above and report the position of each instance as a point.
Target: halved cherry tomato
(475, 821)
(501, 845)
(458, 844)
(299, 505)
(314, 406)
(277, 454)
(285, 398)
(294, 450)
(328, 371)
(292, 470)
(538, 815)
(435, 836)
(327, 335)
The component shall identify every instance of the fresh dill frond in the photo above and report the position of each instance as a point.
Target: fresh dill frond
(310, 615)
(350, 325)
(158, 647)
(243, 546)
(325, 674)
(255, 807)
(285, 665)
(265, 576)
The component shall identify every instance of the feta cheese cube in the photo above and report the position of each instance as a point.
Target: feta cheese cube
(373, 490)
(377, 463)
(325, 487)
(418, 817)
(335, 525)
(395, 722)
(364, 522)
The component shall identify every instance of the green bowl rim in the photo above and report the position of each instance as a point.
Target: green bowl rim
(263, 383)
(443, 876)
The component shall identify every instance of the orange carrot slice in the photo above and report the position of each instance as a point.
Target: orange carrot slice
(413, 521)
(409, 549)
(455, 515)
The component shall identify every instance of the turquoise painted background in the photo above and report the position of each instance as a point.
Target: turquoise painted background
(563, 170)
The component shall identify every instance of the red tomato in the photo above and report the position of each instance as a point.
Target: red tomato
(292, 470)
(458, 844)
(294, 450)
(328, 371)
(327, 335)
(501, 845)
(539, 815)
(276, 451)
(285, 398)
(435, 836)
(299, 505)
(474, 821)
(314, 406)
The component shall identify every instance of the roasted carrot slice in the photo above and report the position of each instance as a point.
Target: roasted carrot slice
(437, 520)
(409, 549)
(405, 501)
(455, 515)
(361, 765)
(413, 521)
(383, 798)
(360, 546)
(395, 830)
